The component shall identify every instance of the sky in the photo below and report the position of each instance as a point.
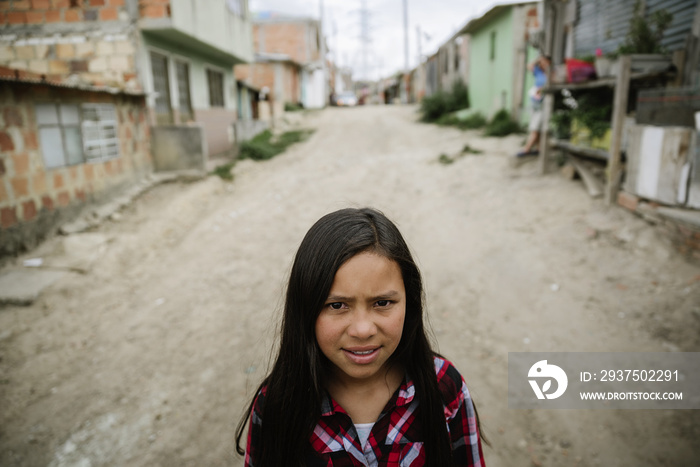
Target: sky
(437, 19)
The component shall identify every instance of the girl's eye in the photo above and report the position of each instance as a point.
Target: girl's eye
(383, 303)
(335, 305)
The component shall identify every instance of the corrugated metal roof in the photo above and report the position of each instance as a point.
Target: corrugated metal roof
(604, 24)
(23, 76)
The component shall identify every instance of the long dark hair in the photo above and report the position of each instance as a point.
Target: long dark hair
(295, 386)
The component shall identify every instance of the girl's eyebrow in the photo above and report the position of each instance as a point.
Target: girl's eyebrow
(383, 296)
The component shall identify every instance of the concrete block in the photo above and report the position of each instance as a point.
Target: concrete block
(25, 52)
(65, 50)
(119, 63)
(104, 48)
(85, 49)
(245, 130)
(176, 147)
(124, 47)
(7, 53)
(22, 286)
(98, 64)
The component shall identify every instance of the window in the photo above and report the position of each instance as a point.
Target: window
(182, 75)
(215, 80)
(59, 133)
(161, 87)
(493, 45)
(100, 138)
(71, 134)
(236, 7)
(457, 56)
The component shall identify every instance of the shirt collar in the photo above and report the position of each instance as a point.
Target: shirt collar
(403, 396)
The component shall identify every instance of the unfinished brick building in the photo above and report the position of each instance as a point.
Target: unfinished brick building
(166, 62)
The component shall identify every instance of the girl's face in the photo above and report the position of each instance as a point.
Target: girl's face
(361, 323)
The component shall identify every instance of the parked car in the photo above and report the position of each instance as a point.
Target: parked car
(346, 99)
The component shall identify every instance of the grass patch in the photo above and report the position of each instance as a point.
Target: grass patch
(471, 122)
(292, 107)
(502, 125)
(224, 171)
(445, 159)
(470, 150)
(265, 146)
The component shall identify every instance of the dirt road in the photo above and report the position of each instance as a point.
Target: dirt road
(149, 357)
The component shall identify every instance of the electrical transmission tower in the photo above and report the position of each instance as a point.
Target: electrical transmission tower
(365, 37)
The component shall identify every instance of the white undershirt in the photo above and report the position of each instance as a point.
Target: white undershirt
(363, 430)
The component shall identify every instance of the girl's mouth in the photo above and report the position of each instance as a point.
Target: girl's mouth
(362, 357)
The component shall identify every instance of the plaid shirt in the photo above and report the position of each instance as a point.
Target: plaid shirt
(394, 439)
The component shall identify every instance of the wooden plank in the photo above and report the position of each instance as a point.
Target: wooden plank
(622, 88)
(593, 153)
(601, 83)
(593, 185)
(547, 106)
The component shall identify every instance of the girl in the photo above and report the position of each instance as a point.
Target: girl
(355, 381)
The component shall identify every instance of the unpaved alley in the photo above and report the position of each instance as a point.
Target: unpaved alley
(149, 355)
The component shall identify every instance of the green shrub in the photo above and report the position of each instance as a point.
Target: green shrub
(502, 125)
(292, 107)
(471, 122)
(442, 103)
(263, 146)
(459, 96)
(435, 106)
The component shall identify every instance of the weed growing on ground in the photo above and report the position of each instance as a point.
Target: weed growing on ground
(445, 159)
(292, 107)
(224, 171)
(470, 150)
(262, 147)
(265, 146)
(502, 125)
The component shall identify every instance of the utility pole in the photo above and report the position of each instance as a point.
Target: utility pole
(323, 54)
(404, 84)
(364, 38)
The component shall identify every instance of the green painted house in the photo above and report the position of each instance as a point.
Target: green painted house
(499, 52)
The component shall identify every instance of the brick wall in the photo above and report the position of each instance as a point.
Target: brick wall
(296, 39)
(90, 40)
(35, 199)
(682, 226)
(154, 8)
(260, 75)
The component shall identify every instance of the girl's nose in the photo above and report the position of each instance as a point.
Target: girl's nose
(362, 325)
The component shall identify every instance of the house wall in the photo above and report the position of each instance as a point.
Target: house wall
(92, 44)
(297, 39)
(216, 121)
(490, 79)
(213, 22)
(34, 198)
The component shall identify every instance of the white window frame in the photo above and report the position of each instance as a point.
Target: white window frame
(101, 133)
(61, 127)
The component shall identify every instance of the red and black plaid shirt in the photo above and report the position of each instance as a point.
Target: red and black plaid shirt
(395, 437)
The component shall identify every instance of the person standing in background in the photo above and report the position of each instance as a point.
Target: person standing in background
(539, 69)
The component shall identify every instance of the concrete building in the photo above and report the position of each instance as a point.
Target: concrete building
(287, 61)
(181, 53)
(62, 146)
(499, 51)
(94, 92)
